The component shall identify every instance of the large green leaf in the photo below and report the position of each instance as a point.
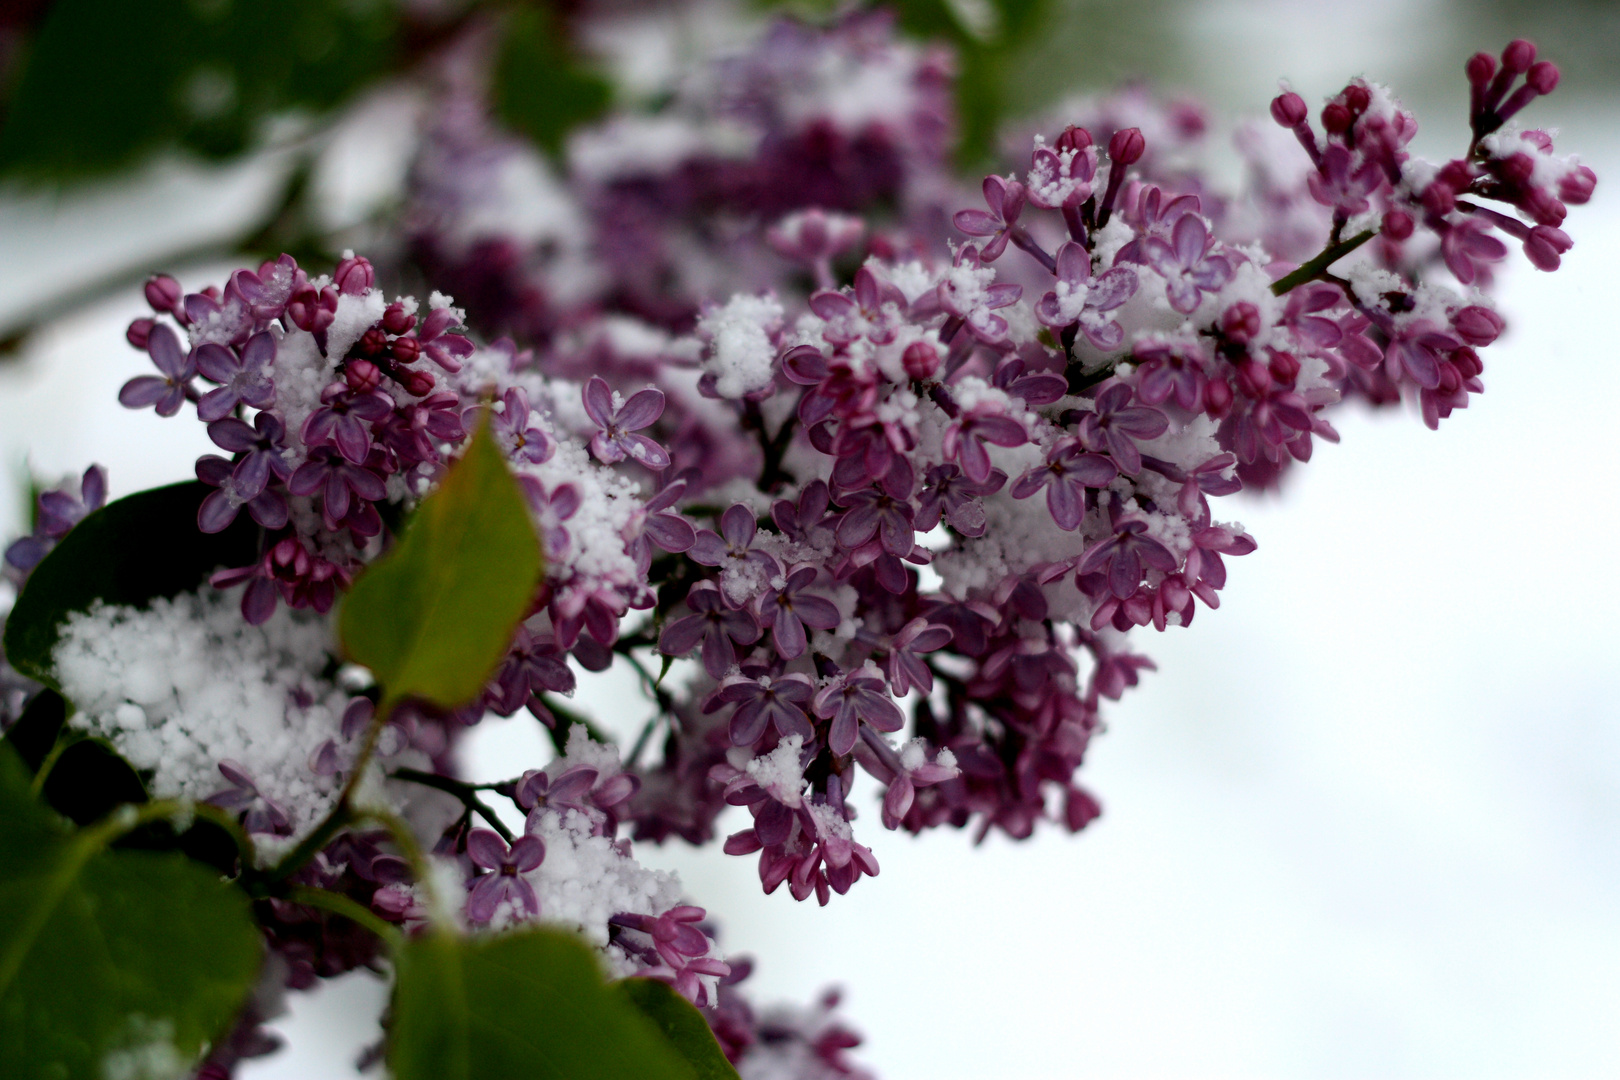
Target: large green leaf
(127, 553)
(681, 1025)
(112, 963)
(433, 617)
(529, 1004)
(106, 81)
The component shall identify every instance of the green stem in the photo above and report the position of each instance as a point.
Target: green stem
(1318, 266)
(338, 904)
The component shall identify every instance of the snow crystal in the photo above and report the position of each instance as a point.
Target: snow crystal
(586, 880)
(779, 771)
(741, 353)
(186, 683)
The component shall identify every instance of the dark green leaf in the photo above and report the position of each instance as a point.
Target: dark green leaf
(37, 729)
(681, 1025)
(540, 89)
(530, 1004)
(433, 617)
(105, 82)
(109, 958)
(127, 553)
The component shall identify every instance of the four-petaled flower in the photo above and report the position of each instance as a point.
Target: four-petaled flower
(168, 391)
(505, 881)
(1188, 263)
(243, 379)
(713, 622)
(856, 697)
(1068, 472)
(789, 608)
(618, 439)
(1080, 298)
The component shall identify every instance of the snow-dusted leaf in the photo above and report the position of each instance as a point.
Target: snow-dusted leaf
(128, 553)
(530, 1003)
(681, 1025)
(112, 963)
(433, 617)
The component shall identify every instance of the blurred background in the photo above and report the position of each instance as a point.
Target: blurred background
(1363, 821)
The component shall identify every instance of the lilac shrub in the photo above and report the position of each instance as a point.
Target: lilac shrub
(897, 484)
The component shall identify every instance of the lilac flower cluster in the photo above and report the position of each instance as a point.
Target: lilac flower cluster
(890, 508)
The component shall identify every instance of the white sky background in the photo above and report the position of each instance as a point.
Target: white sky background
(1363, 821)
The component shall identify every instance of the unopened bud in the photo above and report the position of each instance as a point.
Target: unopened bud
(1288, 109)
(1073, 138)
(1480, 68)
(1335, 118)
(1357, 98)
(163, 293)
(396, 321)
(921, 360)
(406, 349)
(1217, 398)
(354, 276)
(362, 376)
(1477, 325)
(1283, 367)
(1518, 56)
(418, 383)
(373, 342)
(1542, 77)
(1577, 185)
(1241, 322)
(1398, 225)
(139, 332)
(1126, 147)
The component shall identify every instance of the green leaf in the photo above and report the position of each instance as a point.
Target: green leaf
(681, 1025)
(106, 82)
(530, 1003)
(129, 552)
(111, 962)
(433, 617)
(90, 780)
(34, 734)
(539, 89)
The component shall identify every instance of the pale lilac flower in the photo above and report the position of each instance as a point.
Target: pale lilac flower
(617, 441)
(714, 623)
(734, 542)
(905, 664)
(167, 392)
(244, 379)
(1188, 263)
(763, 702)
(1116, 425)
(949, 494)
(517, 436)
(505, 882)
(790, 607)
(1069, 471)
(856, 697)
(1006, 201)
(1121, 556)
(967, 435)
(1080, 298)
(263, 814)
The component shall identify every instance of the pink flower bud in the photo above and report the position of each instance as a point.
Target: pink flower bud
(396, 321)
(406, 349)
(1217, 398)
(1073, 138)
(1356, 98)
(1576, 186)
(139, 332)
(1439, 199)
(1241, 322)
(418, 383)
(354, 276)
(1288, 109)
(373, 342)
(1283, 367)
(310, 311)
(1468, 363)
(1480, 68)
(362, 375)
(921, 360)
(1542, 77)
(1126, 147)
(1398, 225)
(1518, 56)
(163, 293)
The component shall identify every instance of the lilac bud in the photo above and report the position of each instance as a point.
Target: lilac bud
(1439, 199)
(1477, 325)
(1398, 225)
(1577, 185)
(312, 312)
(1336, 118)
(373, 342)
(139, 332)
(921, 360)
(1480, 67)
(1125, 147)
(1073, 138)
(396, 321)
(1288, 109)
(1241, 322)
(354, 276)
(163, 293)
(418, 383)
(1518, 56)
(1468, 363)
(362, 376)
(1217, 398)
(1356, 98)
(406, 349)
(1284, 368)
(1542, 77)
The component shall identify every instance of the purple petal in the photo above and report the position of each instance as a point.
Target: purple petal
(163, 345)
(487, 849)
(598, 402)
(644, 407)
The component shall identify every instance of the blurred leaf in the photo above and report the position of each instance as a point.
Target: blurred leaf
(106, 82)
(127, 553)
(37, 729)
(112, 963)
(681, 1025)
(540, 90)
(433, 617)
(530, 1003)
(90, 780)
